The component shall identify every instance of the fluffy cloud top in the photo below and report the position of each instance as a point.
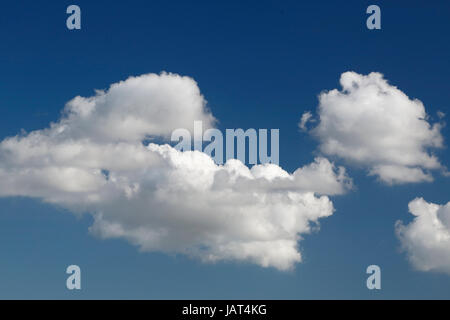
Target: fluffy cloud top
(93, 160)
(373, 124)
(149, 105)
(427, 238)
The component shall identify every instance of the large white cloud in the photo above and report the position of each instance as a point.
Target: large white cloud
(93, 160)
(375, 125)
(427, 238)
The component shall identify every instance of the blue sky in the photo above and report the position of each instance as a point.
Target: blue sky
(259, 64)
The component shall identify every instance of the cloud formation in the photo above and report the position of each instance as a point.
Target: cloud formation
(426, 239)
(160, 199)
(373, 124)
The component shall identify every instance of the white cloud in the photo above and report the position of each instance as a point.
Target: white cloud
(149, 105)
(373, 124)
(306, 117)
(93, 160)
(427, 238)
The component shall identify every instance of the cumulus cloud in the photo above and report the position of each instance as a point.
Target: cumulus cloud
(149, 105)
(160, 199)
(375, 125)
(426, 239)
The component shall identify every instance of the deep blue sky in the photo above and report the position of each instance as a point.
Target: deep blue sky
(260, 64)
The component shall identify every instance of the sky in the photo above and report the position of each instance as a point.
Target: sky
(258, 64)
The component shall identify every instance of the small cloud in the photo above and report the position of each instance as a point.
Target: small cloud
(426, 240)
(306, 117)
